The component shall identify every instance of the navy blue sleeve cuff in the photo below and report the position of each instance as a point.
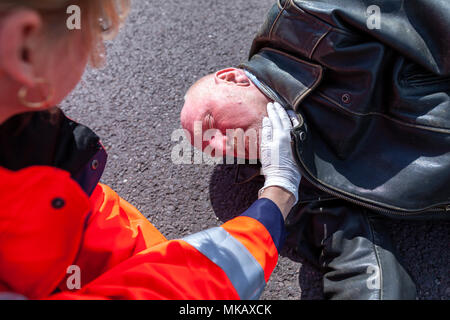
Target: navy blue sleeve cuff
(268, 213)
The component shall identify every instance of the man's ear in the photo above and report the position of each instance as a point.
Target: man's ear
(18, 35)
(233, 75)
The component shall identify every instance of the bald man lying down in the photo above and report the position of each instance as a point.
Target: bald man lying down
(373, 129)
(224, 101)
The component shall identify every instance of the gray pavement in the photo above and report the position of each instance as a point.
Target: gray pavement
(134, 105)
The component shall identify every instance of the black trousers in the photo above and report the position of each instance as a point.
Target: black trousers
(350, 245)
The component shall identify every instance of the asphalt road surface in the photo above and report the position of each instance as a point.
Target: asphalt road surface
(134, 104)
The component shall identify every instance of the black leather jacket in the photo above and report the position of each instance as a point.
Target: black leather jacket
(374, 104)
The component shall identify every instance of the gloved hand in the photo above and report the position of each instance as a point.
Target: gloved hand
(278, 163)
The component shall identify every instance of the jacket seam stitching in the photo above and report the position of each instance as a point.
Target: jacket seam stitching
(317, 43)
(423, 127)
(308, 91)
(277, 18)
(329, 25)
(377, 257)
(311, 87)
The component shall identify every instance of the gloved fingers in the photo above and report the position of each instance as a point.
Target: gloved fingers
(293, 117)
(283, 116)
(266, 133)
(273, 116)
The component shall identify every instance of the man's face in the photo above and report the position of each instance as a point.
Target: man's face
(224, 112)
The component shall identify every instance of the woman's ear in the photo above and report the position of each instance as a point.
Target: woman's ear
(233, 75)
(19, 31)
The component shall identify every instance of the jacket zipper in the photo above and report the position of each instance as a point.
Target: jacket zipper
(388, 212)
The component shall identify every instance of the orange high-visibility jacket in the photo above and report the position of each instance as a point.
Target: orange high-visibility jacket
(52, 230)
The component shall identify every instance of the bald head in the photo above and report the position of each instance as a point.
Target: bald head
(221, 101)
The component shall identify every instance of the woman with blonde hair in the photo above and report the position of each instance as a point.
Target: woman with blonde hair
(64, 235)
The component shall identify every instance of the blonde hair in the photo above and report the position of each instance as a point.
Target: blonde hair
(101, 19)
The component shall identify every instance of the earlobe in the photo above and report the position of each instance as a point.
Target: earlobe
(17, 31)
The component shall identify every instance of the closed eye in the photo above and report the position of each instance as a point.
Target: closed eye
(209, 122)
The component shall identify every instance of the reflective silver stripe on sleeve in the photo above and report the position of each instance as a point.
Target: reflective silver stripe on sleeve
(11, 296)
(244, 272)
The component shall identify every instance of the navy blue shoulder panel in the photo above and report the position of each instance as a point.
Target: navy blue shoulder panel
(268, 213)
(49, 138)
(89, 176)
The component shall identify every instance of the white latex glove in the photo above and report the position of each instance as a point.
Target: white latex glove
(278, 163)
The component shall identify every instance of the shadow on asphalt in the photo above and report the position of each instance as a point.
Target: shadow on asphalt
(232, 191)
(229, 198)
